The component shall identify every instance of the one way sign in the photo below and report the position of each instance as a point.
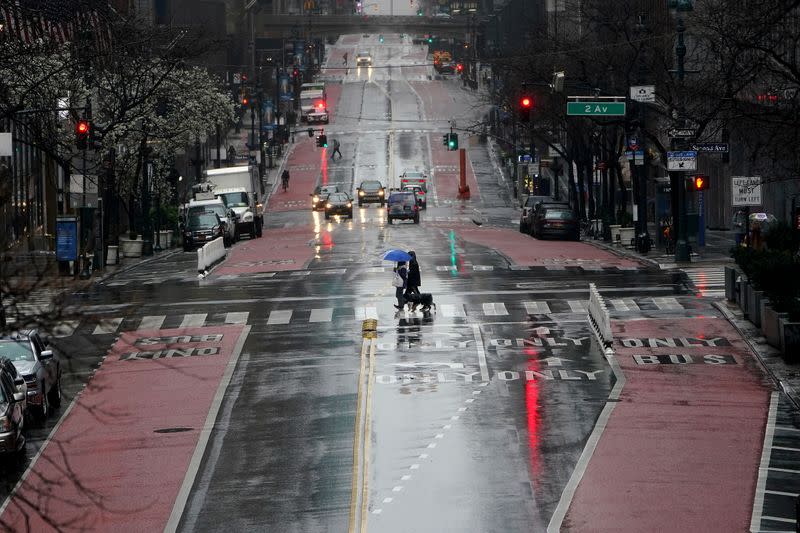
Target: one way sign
(682, 160)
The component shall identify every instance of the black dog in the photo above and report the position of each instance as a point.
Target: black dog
(425, 300)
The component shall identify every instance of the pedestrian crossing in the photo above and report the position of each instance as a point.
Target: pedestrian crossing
(511, 311)
(709, 281)
(30, 305)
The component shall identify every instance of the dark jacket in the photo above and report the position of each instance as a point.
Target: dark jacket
(413, 274)
(403, 271)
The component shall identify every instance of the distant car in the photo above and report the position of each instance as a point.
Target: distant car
(320, 196)
(370, 192)
(558, 221)
(445, 67)
(339, 203)
(36, 364)
(402, 205)
(202, 228)
(419, 192)
(539, 206)
(414, 177)
(12, 415)
(526, 218)
(363, 58)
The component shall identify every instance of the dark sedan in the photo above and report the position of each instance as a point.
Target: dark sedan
(202, 228)
(371, 191)
(320, 196)
(558, 222)
(339, 204)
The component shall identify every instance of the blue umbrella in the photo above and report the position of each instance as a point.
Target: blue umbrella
(396, 255)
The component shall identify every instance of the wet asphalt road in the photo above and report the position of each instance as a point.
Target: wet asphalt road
(479, 410)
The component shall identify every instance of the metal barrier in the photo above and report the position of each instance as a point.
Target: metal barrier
(209, 254)
(599, 317)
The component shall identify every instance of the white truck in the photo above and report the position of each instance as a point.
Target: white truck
(313, 107)
(240, 189)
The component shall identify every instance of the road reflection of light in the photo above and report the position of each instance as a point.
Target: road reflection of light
(327, 240)
(532, 416)
(362, 213)
(455, 258)
(317, 222)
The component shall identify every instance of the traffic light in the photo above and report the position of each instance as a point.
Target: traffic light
(697, 183)
(83, 130)
(524, 108)
(296, 73)
(322, 141)
(430, 39)
(452, 141)
(445, 139)
(459, 68)
(380, 38)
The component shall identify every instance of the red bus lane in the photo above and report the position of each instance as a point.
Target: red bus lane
(119, 457)
(681, 450)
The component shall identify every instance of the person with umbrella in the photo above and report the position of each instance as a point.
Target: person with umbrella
(400, 281)
(414, 279)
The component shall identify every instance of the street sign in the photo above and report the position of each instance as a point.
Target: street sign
(5, 145)
(678, 161)
(643, 93)
(745, 190)
(600, 109)
(713, 148)
(682, 133)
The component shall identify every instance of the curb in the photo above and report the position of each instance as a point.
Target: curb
(644, 260)
(787, 389)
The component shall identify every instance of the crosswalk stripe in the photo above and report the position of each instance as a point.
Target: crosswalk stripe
(107, 326)
(236, 318)
(279, 316)
(494, 309)
(537, 308)
(666, 302)
(152, 322)
(65, 328)
(363, 313)
(483, 268)
(452, 310)
(446, 268)
(624, 304)
(193, 320)
(321, 315)
(577, 306)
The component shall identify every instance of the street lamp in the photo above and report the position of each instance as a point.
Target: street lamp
(678, 8)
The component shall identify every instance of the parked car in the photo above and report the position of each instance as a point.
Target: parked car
(320, 196)
(202, 228)
(371, 191)
(19, 382)
(419, 193)
(557, 221)
(542, 205)
(526, 218)
(339, 203)
(220, 208)
(12, 415)
(363, 58)
(402, 205)
(41, 371)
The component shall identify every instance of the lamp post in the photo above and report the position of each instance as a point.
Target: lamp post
(642, 233)
(678, 7)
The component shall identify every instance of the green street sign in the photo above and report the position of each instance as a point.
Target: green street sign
(601, 109)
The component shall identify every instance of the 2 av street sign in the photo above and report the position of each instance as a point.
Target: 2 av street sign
(713, 148)
(600, 109)
(682, 133)
(678, 161)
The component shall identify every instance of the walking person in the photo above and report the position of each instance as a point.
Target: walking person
(413, 281)
(399, 282)
(336, 150)
(344, 60)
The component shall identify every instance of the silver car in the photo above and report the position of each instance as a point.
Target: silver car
(41, 371)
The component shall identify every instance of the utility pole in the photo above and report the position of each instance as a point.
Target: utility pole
(642, 233)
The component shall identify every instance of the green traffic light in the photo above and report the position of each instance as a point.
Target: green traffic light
(430, 40)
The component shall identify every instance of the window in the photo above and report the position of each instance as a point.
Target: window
(558, 214)
(16, 350)
(234, 199)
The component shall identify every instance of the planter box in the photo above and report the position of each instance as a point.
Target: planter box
(730, 283)
(130, 248)
(754, 305)
(165, 238)
(744, 286)
(770, 326)
(626, 236)
(615, 236)
(789, 333)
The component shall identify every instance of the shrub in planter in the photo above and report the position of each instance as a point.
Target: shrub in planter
(779, 237)
(133, 235)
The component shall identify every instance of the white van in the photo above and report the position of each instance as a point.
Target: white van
(313, 103)
(314, 86)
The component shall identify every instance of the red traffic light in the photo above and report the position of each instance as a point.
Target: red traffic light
(82, 127)
(698, 183)
(459, 67)
(245, 100)
(526, 102)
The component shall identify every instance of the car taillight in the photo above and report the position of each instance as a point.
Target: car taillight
(5, 423)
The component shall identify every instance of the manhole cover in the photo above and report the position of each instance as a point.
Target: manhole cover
(172, 430)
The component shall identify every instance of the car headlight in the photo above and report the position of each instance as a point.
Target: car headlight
(361, 193)
(315, 199)
(248, 217)
(349, 204)
(329, 206)
(380, 192)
